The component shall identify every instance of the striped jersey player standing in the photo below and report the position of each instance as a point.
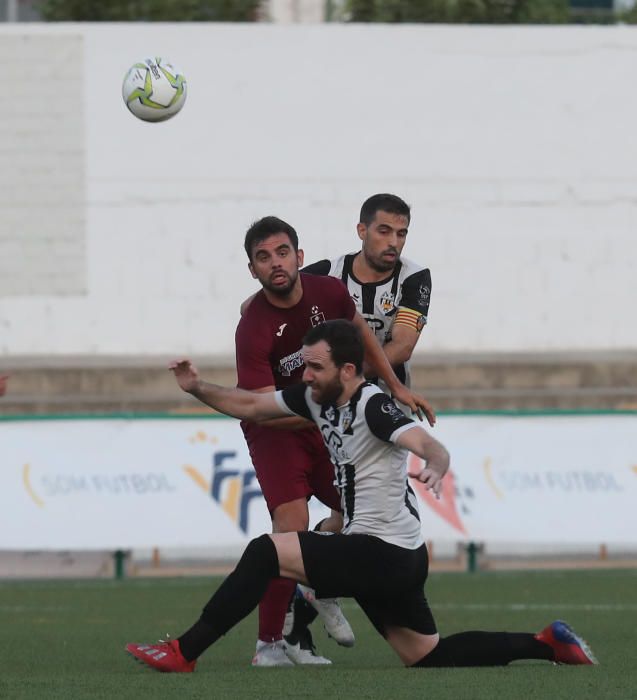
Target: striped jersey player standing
(392, 294)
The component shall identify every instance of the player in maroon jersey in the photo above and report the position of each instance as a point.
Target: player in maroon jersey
(288, 454)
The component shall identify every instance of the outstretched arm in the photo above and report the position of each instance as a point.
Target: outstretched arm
(434, 453)
(289, 423)
(239, 403)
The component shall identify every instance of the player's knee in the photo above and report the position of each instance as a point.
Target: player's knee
(430, 653)
(262, 555)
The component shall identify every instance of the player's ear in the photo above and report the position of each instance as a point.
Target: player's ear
(252, 272)
(349, 368)
(300, 255)
(361, 230)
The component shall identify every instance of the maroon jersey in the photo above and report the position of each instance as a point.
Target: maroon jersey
(269, 340)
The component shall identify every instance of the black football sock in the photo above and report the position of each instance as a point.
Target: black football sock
(485, 649)
(304, 615)
(237, 596)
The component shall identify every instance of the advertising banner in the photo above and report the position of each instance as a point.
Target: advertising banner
(568, 479)
(123, 483)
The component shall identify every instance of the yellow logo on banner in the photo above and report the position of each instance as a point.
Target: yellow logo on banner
(230, 502)
(26, 480)
(489, 477)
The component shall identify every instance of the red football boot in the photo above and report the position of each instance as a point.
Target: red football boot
(164, 656)
(568, 647)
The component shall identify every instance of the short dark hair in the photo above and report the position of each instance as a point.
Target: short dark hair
(344, 339)
(266, 227)
(390, 203)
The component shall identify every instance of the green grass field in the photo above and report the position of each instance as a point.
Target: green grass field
(66, 639)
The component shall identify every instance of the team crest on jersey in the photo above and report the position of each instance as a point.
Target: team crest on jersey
(317, 317)
(347, 421)
(387, 302)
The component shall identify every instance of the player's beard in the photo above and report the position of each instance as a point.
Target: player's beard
(380, 264)
(281, 290)
(329, 392)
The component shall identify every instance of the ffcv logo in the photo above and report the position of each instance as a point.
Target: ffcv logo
(231, 487)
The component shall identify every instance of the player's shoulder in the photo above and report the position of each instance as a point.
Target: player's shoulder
(320, 267)
(256, 314)
(256, 304)
(371, 395)
(382, 414)
(368, 389)
(333, 267)
(410, 267)
(327, 283)
(415, 284)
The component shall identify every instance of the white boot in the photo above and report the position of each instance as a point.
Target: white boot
(335, 623)
(271, 654)
(304, 655)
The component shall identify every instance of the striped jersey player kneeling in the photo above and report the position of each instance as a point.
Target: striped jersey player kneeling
(368, 437)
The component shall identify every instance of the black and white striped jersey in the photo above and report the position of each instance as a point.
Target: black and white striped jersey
(370, 470)
(408, 288)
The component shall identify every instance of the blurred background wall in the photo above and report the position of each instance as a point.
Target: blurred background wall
(121, 242)
(514, 145)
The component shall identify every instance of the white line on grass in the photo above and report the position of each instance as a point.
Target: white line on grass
(520, 607)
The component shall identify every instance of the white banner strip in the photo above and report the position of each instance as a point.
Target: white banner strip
(171, 482)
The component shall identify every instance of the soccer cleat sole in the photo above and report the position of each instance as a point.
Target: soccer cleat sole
(571, 649)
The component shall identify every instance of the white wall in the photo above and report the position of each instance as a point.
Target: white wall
(294, 11)
(516, 147)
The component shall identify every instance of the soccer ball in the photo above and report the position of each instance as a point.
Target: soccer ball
(154, 90)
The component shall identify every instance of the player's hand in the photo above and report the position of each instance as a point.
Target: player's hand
(3, 384)
(430, 476)
(186, 374)
(419, 406)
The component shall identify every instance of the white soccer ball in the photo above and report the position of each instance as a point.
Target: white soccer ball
(154, 90)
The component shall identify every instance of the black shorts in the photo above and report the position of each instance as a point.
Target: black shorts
(385, 580)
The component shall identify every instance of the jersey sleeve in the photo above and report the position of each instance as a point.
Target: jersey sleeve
(385, 420)
(252, 354)
(416, 292)
(413, 305)
(292, 400)
(321, 267)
